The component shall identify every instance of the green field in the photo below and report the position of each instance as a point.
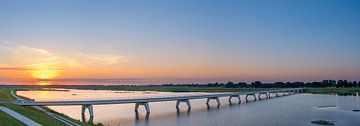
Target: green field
(333, 90)
(7, 120)
(5, 95)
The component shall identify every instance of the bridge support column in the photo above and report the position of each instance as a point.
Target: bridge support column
(145, 104)
(277, 94)
(302, 90)
(216, 98)
(91, 112)
(187, 101)
(237, 96)
(247, 95)
(261, 93)
(269, 96)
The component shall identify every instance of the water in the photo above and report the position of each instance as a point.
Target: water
(294, 110)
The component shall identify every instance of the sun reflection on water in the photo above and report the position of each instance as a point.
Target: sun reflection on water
(44, 82)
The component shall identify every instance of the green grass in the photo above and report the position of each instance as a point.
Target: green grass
(35, 115)
(30, 112)
(7, 120)
(333, 90)
(5, 95)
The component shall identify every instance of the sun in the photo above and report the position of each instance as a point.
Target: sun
(44, 71)
(44, 74)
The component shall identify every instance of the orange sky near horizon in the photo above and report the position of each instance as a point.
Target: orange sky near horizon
(191, 40)
(34, 63)
(30, 63)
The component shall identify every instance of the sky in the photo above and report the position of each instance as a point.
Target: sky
(212, 40)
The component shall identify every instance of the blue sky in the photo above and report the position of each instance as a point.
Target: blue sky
(237, 39)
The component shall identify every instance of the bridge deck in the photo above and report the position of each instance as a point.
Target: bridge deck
(144, 100)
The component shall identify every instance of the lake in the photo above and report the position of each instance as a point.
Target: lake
(294, 110)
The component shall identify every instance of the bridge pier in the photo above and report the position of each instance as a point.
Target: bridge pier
(187, 101)
(265, 93)
(145, 104)
(237, 96)
(271, 92)
(91, 112)
(286, 92)
(247, 95)
(277, 94)
(293, 91)
(216, 98)
(301, 90)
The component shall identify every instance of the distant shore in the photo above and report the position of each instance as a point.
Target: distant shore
(333, 90)
(180, 88)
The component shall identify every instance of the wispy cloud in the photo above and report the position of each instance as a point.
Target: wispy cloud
(25, 58)
(108, 59)
(105, 46)
(15, 48)
(15, 68)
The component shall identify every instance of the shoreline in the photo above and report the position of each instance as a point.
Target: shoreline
(331, 90)
(178, 88)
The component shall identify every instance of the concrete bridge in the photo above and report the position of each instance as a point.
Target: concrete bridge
(88, 104)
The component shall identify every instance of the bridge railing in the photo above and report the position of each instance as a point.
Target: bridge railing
(166, 98)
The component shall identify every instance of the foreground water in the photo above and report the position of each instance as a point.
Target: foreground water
(294, 110)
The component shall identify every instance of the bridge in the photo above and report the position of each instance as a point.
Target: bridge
(88, 104)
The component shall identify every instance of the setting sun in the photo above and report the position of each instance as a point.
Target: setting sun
(44, 70)
(44, 74)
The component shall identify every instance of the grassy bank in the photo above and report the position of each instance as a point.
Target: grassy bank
(5, 95)
(29, 112)
(333, 90)
(7, 120)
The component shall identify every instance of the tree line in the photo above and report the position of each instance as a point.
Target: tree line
(259, 84)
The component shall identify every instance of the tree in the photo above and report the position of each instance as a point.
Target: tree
(346, 84)
(279, 84)
(230, 85)
(354, 84)
(333, 83)
(242, 84)
(340, 83)
(256, 84)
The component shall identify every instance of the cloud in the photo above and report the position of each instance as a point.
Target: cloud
(105, 46)
(36, 51)
(22, 52)
(108, 59)
(25, 58)
(15, 68)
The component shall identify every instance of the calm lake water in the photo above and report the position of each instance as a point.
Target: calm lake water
(293, 110)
